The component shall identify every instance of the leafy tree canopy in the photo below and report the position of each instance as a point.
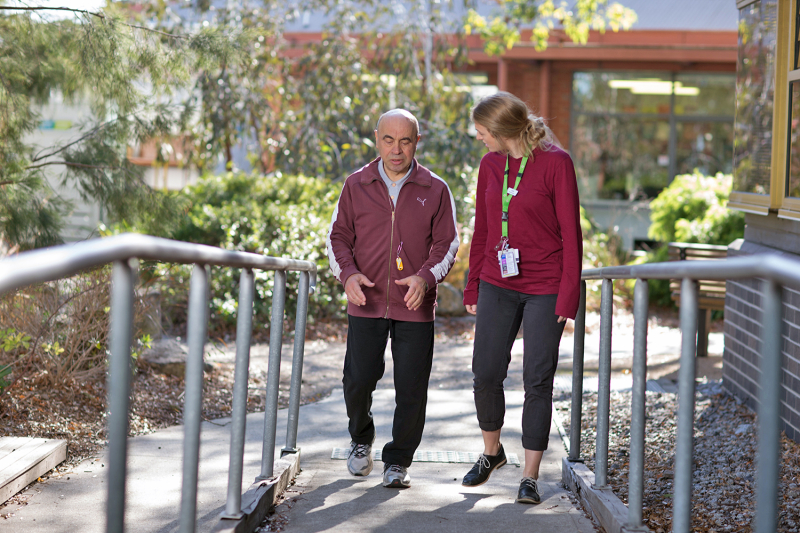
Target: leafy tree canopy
(311, 109)
(221, 75)
(502, 30)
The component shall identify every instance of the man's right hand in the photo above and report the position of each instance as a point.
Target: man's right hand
(352, 288)
(472, 309)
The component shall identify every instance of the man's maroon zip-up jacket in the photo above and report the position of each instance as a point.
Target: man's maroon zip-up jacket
(368, 232)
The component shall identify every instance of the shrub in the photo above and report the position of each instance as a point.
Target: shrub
(602, 249)
(693, 208)
(57, 332)
(276, 215)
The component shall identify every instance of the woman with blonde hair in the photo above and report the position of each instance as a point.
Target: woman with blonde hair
(524, 269)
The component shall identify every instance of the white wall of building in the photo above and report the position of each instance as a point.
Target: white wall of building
(59, 125)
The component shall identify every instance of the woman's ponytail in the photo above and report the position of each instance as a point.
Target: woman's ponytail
(507, 117)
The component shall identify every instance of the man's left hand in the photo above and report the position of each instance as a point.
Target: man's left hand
(417, 287)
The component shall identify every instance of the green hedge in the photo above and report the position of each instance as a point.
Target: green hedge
(693, 208)
(276, 215)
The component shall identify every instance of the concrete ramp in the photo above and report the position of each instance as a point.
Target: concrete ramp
(332, 500)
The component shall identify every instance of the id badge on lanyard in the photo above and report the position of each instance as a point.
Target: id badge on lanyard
(506, 256)
(509, 262)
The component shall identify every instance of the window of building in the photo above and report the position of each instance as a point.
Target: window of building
(760, 180)
(793, 170)
(793, 166)
(633, 132)
(755, 88)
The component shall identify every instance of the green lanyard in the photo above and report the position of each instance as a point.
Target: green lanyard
(507, 196)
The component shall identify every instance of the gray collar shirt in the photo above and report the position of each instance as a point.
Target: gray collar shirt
(394, 186)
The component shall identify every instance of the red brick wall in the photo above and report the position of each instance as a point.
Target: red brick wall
(524, 80)
(560, 100)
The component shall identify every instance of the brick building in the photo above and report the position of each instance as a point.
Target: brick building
(634, 108)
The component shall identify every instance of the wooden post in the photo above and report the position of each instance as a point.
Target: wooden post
(703, 327)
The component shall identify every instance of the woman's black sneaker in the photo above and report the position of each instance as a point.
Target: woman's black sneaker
(483, 468)
(529, 491)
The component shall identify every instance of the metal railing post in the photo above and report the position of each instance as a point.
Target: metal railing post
(273, 375)
(119, 386)
(682, 499)
(577, 379)
(193, 395)
(636, 463)
(769, 411)
(244, 329)
(604, 384)
(297, 364)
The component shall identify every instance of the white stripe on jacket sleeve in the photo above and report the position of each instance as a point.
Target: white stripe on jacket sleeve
(441, 269)
(335, 267)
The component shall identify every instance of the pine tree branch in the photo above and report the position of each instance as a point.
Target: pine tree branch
(91, 133)
(24, 8)
(164, 33)
(94, 14)
(70, 164)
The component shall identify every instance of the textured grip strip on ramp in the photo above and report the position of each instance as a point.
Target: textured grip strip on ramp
(424, 456)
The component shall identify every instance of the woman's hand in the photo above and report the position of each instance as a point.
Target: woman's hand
(472, 309)
(561, 319)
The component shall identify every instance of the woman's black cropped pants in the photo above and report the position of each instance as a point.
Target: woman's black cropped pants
(500, 314)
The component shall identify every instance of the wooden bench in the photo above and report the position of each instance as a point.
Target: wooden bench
(710, 293)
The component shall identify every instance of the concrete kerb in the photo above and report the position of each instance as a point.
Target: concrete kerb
(605, 508)
(260, 499)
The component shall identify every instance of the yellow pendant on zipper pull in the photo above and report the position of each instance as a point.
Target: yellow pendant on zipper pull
(399, 261)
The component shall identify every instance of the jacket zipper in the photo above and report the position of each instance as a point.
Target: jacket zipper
(391, 247)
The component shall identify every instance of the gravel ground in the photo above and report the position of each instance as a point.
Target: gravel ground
(725, 450)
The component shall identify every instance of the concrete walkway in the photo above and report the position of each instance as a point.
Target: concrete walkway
(331, 499)
(334, 501)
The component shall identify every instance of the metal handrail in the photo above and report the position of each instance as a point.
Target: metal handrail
(776, 272)
(123, 251)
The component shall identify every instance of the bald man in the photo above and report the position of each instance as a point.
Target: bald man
(392, 239)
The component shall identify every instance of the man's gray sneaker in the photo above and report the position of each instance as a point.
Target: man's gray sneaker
(396, 476)
(359, 461)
